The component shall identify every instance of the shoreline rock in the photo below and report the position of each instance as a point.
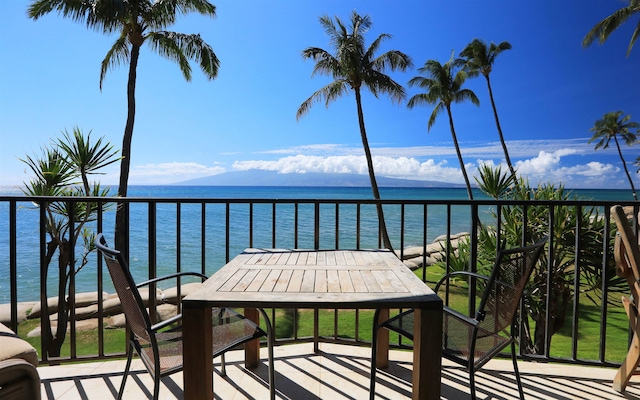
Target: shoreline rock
(414, 257)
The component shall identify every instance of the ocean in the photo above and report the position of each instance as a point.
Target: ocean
(215, 255)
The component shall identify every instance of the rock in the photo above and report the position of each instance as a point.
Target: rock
(81, 300)
(171, 295)
(23, 309)
(434, 252)
(86, 325)
(52, 307)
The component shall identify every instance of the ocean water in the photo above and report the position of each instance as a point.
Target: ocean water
(215, 239)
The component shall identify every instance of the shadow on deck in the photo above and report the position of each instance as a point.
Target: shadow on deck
(338, 372)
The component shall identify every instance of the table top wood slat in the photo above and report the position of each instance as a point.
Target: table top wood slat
(346, 286)
(271, 280)
(333, 284)
(259, 281)
(310, 279)
(296, 281)
(321, 282)
(245, 281)
(358, 281)
(284, 278)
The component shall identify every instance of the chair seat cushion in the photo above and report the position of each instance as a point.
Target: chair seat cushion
(12, 346)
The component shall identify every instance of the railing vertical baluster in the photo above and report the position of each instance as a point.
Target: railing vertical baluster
(251, 224)
(100, 278)
(337, 221)
(273, 225)
(153, 237)
(603, 272)
(473, 256)
(71, 206)
(358, 226)
(424, 242)
(402, 209)
(203, 239)
(13, 264)
(295, 224)
(179, 252)
(549, 282)
(316, 226)
(45, 326)
(227, 220)
(577, 260)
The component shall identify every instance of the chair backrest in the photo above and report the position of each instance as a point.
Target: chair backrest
(627, 247)
(626, 251)
(132, 304)
(508, 279)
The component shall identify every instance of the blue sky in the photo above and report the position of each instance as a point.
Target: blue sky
(548, 89)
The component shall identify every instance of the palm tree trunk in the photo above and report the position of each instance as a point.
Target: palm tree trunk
(455, 143)
(624, 164)
(122, 218)
(372, 177)
(495, 115)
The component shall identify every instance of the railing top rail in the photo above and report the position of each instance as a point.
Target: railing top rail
(222, 200)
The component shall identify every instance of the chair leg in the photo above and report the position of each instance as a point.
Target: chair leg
(156, 387)
(374, 353)
(515, 369)
(472, 383)
(270, 343)
(126, 372)
(223, 369)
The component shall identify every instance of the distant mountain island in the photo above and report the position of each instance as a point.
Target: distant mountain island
(273, 178)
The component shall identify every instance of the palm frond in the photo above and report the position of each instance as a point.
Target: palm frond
(328, 93)
(117, 54)
(603, 29)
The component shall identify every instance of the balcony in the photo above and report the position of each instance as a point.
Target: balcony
(338, 372)
(168, 234)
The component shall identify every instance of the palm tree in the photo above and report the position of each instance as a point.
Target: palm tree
(354, 66)
(611, 126)
(444, 87)
(479, 60)
(604, 28)
(137, 22)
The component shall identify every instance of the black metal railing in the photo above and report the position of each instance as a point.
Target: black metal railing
(173, 234)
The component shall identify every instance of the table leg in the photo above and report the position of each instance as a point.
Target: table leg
(197, 351)
(252, 348)
(382, 354)
(427, 354)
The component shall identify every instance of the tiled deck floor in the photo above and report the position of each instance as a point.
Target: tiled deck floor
(340, 372)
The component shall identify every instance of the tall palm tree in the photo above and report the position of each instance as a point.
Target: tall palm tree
(137, 22)
(354, 66)
(479, 59)
(611, 126)
(444, 87)
(604, 28)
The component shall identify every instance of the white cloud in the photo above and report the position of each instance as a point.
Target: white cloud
(173, 172)
(544, 167)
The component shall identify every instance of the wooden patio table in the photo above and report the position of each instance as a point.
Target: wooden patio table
(313, 279)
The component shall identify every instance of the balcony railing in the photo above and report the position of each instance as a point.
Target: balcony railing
(174, 234)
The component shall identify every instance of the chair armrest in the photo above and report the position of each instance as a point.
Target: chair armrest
(460, 316)
(176, 275)
(166, 322)
(454, 273)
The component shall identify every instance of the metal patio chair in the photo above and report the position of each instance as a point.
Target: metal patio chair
(627, 255)
(160, 345)
(473, 341)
